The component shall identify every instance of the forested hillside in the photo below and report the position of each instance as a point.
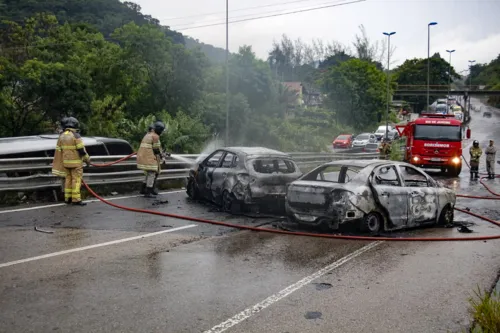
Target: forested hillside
(117, 70)
(488, 75)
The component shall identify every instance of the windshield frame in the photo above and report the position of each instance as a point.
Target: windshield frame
(416, 137)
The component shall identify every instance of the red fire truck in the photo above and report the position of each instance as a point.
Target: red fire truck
(434, 141)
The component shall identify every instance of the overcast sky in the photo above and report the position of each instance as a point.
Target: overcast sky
(471, 27)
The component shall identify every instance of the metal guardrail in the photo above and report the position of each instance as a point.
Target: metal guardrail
(28, 174)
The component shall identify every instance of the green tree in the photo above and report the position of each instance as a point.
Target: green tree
(356, 90)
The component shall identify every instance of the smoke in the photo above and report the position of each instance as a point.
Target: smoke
(210, 147)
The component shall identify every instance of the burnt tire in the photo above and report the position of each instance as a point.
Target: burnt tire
(372, 223)
(446, 217)
(191, 189)
(227, 201)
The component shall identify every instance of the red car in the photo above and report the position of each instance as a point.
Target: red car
(343, 141)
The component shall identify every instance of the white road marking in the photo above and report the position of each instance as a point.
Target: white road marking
(78, 249)
(245, 314)
(92, 200)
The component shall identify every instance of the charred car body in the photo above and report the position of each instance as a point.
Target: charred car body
(241, 177)
(376, 195)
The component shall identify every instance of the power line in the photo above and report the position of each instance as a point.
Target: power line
(268, 16)
(238, 10)
(180, 26)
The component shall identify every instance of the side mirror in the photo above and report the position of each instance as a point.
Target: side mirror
(467, 133)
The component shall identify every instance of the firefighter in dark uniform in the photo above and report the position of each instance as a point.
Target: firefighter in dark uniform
(149, 158)
(475, 155)
(490, 152)
(74, 154)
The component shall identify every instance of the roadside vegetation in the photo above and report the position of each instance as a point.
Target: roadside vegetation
(117, 70)
(485, 311)
(489, 76)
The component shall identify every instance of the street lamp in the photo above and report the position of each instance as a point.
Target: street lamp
(388, 34)
(227, 74)
(428, 58)
(470, 80)
(449, 72)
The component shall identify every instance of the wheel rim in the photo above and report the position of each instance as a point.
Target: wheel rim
(448, 216)
(372, 223)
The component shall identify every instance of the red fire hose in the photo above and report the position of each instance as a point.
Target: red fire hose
(298, 233)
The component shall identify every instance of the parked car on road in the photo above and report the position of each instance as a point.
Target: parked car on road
(374, 195)
(371, 148)
(238, 177)
(380, 132)
(487, 114)
(363, 139)
(343, 141)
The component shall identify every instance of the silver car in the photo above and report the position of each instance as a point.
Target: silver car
(239, 177)
(363, 139)
(375, 195)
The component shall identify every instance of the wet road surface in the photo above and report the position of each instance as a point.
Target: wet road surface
(101, 276)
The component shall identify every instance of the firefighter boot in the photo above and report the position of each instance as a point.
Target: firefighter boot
(68, 201)
(472, 175)
(149, 193)
(143, 188)
(155, 188)
(79, 203)
(477, 175)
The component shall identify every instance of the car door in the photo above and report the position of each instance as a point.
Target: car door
(205, 173)
(422, 196)
(221, 173)
(391, 194)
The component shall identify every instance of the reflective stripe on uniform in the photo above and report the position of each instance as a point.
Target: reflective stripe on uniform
(148, 167)
(80, 146)
(146, 145)
(156, 145)
(68, 147)
(58, 173)
(58, 148)
(72, 161)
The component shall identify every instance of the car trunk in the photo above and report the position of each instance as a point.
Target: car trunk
(309, 196)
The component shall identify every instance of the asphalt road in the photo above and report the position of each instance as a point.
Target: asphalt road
(106, 270)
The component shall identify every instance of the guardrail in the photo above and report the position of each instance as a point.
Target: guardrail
(28, 174)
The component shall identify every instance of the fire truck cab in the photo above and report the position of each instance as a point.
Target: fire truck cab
(434, 141)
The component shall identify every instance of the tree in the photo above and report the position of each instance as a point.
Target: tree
(356, 90)
(414, 72)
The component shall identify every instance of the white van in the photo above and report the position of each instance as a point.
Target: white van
(380, 132)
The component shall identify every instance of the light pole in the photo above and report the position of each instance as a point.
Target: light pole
(428, 59)
(470, 80)
(388, 34)
(227, 73)
(449, 72)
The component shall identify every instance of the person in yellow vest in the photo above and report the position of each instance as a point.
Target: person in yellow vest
(149, 158)
(475, 155)
(73, 155)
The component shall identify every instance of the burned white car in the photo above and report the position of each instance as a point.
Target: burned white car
(375, 195)
(243, 177)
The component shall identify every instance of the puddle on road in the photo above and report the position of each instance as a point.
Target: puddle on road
(313, 315)
(322, 286)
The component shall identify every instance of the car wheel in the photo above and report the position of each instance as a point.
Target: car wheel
(454, 171)
(447, 216)
(227, 201)
(372, 223)
(191, 189)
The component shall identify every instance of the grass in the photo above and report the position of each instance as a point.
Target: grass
(485, 311)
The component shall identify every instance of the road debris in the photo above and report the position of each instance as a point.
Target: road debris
(43, 231)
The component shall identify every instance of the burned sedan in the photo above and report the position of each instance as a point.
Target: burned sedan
(375, 195)
(241, 177)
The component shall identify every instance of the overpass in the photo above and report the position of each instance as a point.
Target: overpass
(440, 90)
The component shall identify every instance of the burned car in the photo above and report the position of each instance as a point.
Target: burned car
(243, 177)
(375, 195)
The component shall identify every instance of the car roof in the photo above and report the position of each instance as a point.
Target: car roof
(365, 163)
(366, 133)
(26, 144)
(255, 151)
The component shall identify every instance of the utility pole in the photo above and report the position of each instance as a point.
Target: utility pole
(227, 74)
(428, 60)
(388, 34)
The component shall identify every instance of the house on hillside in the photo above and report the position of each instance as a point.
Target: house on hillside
(302, 94)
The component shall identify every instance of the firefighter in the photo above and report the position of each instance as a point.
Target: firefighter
(490, 152)
(475, 154)
(73, 155)
(149, 158)
(57, 163)
(385, 149)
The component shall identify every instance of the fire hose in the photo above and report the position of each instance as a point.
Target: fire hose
(309, 234)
